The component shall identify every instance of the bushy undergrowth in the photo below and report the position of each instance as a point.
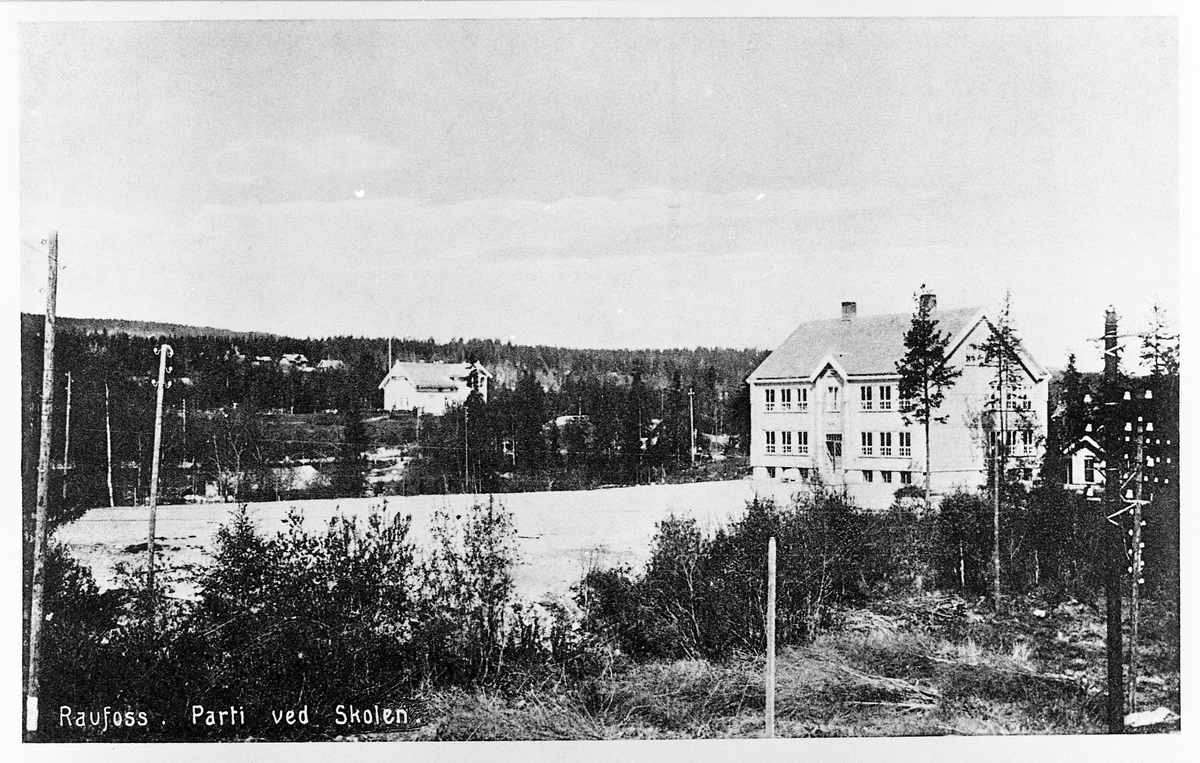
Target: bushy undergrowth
(706, 596)
(355, 613)
(349, 614)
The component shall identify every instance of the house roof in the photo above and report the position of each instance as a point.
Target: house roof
(1083, 443)
(863, 345)
(433, 377)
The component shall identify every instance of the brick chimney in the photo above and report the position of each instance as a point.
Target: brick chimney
(928, 302)
(848, 310)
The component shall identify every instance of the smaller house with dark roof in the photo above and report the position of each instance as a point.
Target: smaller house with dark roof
(431, 388)
(1085, 466)
(825, 404)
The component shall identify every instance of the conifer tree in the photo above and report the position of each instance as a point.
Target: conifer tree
(1001, 351)
(924, 376)
(1160, 348)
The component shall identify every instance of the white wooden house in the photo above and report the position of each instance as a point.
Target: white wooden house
(431, 388)
(826, 404)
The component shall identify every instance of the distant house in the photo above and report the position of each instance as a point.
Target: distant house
(572, 432)
(1085, 466)
(290, 361)
(432, 387)
(330, 364)
(826, 403)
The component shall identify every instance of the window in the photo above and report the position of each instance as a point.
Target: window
(865, 392)
(787, 441)
(885, 443)
(770, 398)
(831, 398)
(1089, 470)
(833, 444)
(867, 440)
(885, 398)
(887, 476)
(1010, 441)
(802, 443)
(1027, 442)
(785, 399)
(771, 472)
(770, 442)
(1027, 474)
(905, 445)
(803, 473)
(868, 475)
(905, 478)
(802, 399)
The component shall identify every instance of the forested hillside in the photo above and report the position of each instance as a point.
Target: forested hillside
(229, 397)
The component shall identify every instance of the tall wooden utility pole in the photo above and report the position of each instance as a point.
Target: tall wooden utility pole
(998, 464)
(770, 726)
(67, 440)
(164, 352)
(108, 441)
(40, 529)
(692, 421)
(1135, 561)
(1114, 540)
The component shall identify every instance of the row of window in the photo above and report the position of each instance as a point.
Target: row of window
(906, 478)
(903, 444)
(1016, 442)
(886, 476)
(867, 403)
(785, 397)
(796, 443)
(877, 398)
(786, 441)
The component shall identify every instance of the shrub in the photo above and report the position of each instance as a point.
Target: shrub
(962, 553)
(899, 547)
(317, 618)
(466, 594)
(706, 597)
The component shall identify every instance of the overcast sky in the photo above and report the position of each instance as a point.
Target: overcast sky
(603, 183)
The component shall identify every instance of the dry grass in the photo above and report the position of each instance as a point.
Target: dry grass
(881, 674)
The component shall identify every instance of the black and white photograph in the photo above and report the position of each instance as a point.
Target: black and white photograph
(422, 373)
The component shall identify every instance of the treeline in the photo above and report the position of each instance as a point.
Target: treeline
(592, 431)
(216, 426)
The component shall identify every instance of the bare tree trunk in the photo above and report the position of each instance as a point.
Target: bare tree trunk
(996, 529)
(108, 440)
(928, 472)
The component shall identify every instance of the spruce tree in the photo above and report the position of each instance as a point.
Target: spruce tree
(1001, 351)
(924, 376)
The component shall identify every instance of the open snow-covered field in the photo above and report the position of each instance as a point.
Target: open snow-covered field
(559, 533)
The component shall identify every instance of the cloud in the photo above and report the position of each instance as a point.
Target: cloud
(260, 160)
